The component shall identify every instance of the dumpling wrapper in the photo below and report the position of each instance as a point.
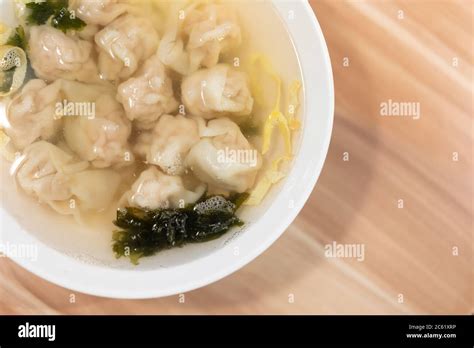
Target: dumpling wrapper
(31, 114)
(169, 143)
(54, 54)
(218, 91)
(124, 44)
(223, 158)
(57, 178)
(95, 189)
(156, 190)
(44, 171)
(148, 94)
(98, 12)
(197, 35)
(103, 139)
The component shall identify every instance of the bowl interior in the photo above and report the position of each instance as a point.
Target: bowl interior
(63, 246)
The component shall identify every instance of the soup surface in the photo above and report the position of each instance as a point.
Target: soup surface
(133, 127)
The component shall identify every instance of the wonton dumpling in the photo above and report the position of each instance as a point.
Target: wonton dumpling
(217, 91)
(102, 140)
(98, 12)
(206, 31)
(79, 93)
(55, 177)
(154, 190)
(54, 55)
(124, 44)
(31, 114)
(95, 189)
(88, 32)
(44, 171)
(147, 95)
(170, 142)
(224, 158)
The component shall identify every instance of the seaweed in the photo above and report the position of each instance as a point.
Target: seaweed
(249, 128)
(62, 18)
(146, 232)
(40, 12)
(7, 80)
(18, 38)
(65, 20)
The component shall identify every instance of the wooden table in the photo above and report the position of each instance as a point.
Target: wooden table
(400, 187)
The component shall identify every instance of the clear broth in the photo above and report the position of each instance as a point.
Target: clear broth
(263, 32)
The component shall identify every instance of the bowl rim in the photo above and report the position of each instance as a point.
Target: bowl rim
(144, 284)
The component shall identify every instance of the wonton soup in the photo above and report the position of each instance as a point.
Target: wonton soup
(133, 129)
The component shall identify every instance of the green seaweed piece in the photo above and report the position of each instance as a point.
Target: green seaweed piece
(64, 20)
(18, 38)
(146, 232)
(7, 80)
(58, 11)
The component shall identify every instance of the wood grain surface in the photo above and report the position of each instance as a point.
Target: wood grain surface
(419, 257)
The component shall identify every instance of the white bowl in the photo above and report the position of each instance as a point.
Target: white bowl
(195, 266)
